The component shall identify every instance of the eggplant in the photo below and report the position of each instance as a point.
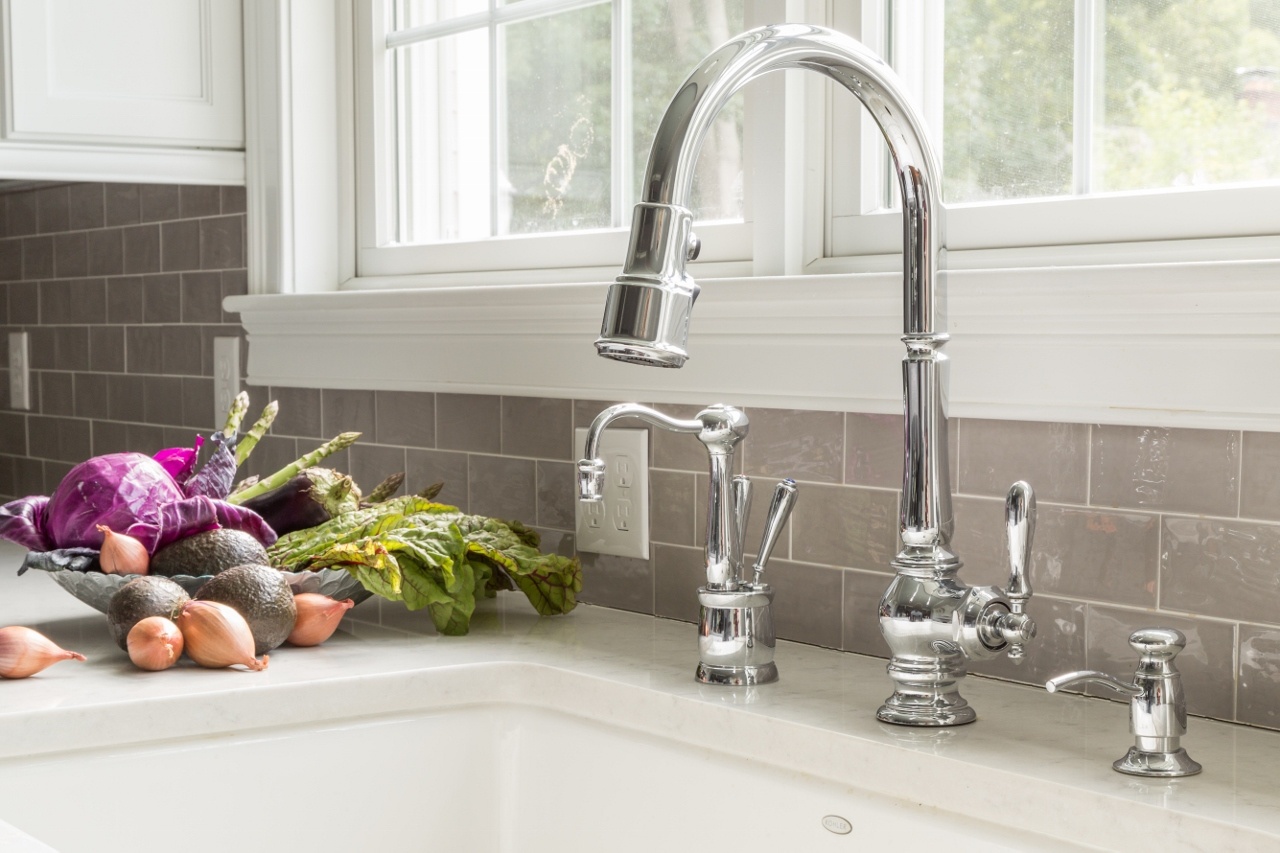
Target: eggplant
(311, 497)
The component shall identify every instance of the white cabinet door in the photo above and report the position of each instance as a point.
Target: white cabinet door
(125, 72)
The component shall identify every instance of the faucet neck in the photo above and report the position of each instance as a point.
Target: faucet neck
(689, 117)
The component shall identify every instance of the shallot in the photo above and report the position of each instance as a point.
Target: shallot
(122, 554)
(24, 652)
(217, 635)
(155, 643)
(318, 618)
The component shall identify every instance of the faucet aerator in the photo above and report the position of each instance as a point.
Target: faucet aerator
(636, 354)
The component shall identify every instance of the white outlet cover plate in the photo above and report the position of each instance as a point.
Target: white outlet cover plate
(618, 525)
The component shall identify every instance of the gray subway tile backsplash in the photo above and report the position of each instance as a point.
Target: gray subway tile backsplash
(1258, 699)
(1054, 457)
(806, 446)
(1260, 476)
(1173, 470)
(471, 422)
(1137, 526)
(1227, 569)
(503, 487)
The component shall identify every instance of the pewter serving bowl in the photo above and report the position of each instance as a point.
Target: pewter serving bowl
(96, 588)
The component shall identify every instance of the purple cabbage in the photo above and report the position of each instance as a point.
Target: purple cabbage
(216, 477)
(129, 493)
(180, 462)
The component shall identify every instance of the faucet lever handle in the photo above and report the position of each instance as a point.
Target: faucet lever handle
(1020, 527)
(741, 490)
(784, 498)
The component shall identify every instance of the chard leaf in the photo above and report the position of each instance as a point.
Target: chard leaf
(453, 619)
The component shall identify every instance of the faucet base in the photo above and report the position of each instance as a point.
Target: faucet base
(1139, 763)
(736, 676)
(735, 636)
(926, 693)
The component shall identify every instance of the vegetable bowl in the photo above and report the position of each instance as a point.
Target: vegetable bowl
(96, 588)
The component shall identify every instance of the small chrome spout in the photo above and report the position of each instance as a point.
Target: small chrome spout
(719, 428)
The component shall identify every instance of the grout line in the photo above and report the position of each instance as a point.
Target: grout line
(1088, 467)
(1235, 673)
(1240, 478)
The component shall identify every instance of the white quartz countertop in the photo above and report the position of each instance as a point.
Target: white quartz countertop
(1034, 761)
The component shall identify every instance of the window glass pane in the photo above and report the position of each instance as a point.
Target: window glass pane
(1192, 94)
(555, 125)
(1007, 99)
(441, 184)
(668, 40)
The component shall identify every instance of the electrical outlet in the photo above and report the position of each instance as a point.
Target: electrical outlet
(19, 370)
(226, 374)
(619, 524)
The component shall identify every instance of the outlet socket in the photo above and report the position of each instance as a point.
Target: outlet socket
(619, 524)
(19, 370)
(226, 375)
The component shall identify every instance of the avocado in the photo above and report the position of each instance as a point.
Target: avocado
(208, 553)
(147, 595)
(262, 596)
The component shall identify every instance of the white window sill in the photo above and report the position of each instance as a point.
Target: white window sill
(1172, 344)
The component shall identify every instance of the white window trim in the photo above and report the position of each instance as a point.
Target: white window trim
(1189, 342)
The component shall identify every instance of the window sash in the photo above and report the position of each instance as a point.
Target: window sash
(861, 233)
(381, 83)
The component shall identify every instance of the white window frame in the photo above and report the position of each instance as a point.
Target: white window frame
(548, 257)
(1152, 225)
(1146, 331)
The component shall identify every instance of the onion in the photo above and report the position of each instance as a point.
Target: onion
(122, 554)
(24, 652)
(217, 635)
(318, 618)
(155, 643)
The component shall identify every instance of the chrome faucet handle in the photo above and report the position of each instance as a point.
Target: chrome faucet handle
(741, 489)
(1020, 527)
(784, 499)
(1157, 705)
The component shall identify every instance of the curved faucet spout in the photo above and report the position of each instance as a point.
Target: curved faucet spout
(669, 176)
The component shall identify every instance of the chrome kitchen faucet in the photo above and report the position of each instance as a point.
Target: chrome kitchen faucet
(931, 621)
(735, 626)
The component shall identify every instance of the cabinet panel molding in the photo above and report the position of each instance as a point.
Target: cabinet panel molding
(126, 72)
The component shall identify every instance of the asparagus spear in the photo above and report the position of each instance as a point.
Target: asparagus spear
(287, 473)
(235, 414)
(259, 429)
(385, 489)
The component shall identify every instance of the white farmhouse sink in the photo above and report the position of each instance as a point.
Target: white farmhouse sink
(485, 779)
